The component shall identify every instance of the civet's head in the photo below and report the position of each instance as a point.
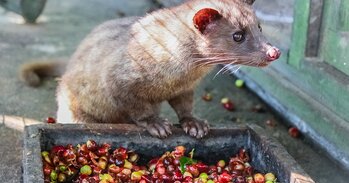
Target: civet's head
(231, 34)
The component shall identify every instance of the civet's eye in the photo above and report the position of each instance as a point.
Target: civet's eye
(259, 27)
(239, 36)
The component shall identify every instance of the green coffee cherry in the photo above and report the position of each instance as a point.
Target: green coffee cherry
(53, 175)
(239, 83)
(86, 170)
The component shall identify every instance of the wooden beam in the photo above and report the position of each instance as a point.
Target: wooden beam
(314, 28)
(299, 32)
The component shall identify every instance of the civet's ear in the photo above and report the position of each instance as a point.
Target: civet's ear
(250, 2)
(205, 17)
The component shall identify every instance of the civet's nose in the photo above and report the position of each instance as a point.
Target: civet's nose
(273, 53)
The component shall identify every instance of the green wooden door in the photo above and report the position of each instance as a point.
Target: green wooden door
(335, 44)
(310, 84)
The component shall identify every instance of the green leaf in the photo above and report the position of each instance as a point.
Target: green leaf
(182, 162)
(185, 161)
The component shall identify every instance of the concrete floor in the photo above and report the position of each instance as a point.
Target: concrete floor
(63, 25)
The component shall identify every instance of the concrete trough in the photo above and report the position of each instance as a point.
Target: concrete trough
(267, 155)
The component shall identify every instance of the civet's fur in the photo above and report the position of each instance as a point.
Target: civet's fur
(125, 68)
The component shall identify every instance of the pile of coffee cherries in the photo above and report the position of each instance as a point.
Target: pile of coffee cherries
(92, 163)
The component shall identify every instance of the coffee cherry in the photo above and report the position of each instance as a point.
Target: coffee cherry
(293, 132)
(188, 179)
(243, 155)
(98, 165)
(102, 151)
(82, 160)
(212, 169)
(135, 168)
(62, 177)
(225, 100)
(57, 149)
(53, 175)
(83, 149)
(161, 170)
(239, 167)
(152, 164)
(69, 155)
(91, 145)
(114, 169)
(187, 174)
(86, 170)
(176, 162)
(224, 178)
(102, 162)
(229, 106)
(177, 176)
(133, 157)
(269, 177)
(165, 177)
(249, 179)
(240, 179)
(106, 177)
(146, 178)
(62, 168)
(221, 163)
(179, 151)
(171, 168)
(47, 170)
(119, 161)
(142, 181)
(121, 151)
(207, 97)
(71, 171)
(128, 164)
(50, 120)
(136, 176)
(239, 83)
(259, 178)
(193, 170)
(97, 170)
(203, 176)
(248, 170)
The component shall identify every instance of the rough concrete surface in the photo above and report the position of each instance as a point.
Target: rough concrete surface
(63, 25)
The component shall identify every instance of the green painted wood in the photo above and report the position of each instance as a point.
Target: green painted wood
(299, 32)
(319, 118)
(322, 82)
(335, 45)
(316, 90)
(344, 15)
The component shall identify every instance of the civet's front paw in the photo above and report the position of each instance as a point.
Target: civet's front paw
(160, 128)
(195, 127)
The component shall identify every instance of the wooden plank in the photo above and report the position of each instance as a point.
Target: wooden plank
(299, 32)
(335, 40)
(14, 122)
(18, 123)
(314, 28)
(344, 16)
